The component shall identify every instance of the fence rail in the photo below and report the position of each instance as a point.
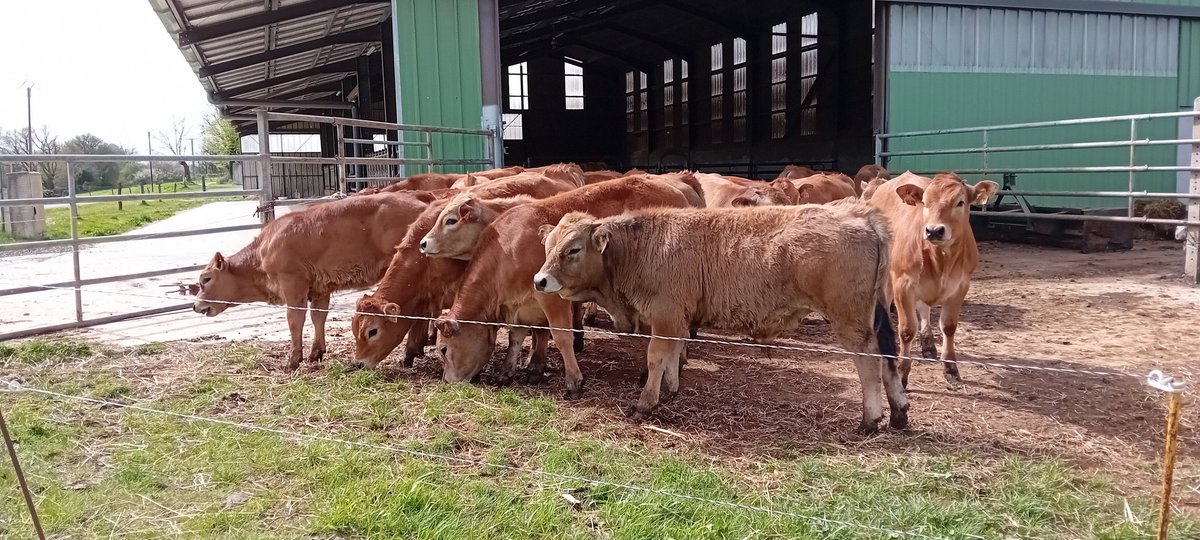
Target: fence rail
(346, 160)
(1191, 223)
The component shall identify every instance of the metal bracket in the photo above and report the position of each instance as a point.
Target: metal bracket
(1162, 381)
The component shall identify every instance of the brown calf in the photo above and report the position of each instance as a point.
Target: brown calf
(795, 172)
(497, 282)
(302, 258)
(823, 188)
(755, 270)
(725, 191)
(933, 255)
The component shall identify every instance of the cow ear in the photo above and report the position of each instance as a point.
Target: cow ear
(467, 209)
(392, 310)
(470, 180)
(600, 238)
(543, 232)
(911, 194)
(982, 191)
(804, 190)
(446, 326)
(218, 261)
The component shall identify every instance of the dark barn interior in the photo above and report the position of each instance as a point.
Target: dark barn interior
(738, 87)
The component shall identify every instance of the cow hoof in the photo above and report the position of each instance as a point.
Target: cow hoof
(898, 420)
(953, 379)
(533, 376)
(636, 412)
(869, 427)
(668, 396)
(575, 391)
(409, 360)
(929, 350)
(904, 382)
(316, 356)
(475, 379)
(504, 380)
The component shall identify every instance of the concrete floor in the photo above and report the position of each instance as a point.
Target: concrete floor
(45, 308)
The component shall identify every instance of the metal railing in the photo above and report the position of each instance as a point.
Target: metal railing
(263, 160)
(884, 155)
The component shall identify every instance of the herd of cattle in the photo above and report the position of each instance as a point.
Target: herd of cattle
(662, 254)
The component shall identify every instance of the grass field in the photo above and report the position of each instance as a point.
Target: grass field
(104, 219)
(213, 184)
(105, 472)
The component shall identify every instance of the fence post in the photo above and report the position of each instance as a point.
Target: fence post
(1132, 138)
(340, 137)
(71, 194)
(1192, 241)
(266, 200)
(879, 150)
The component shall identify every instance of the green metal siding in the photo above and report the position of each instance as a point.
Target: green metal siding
(438, 75)
(920, 101)
(1189, 61)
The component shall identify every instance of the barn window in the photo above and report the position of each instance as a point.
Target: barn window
(683, 92)
(643, 101)
(808, 74)
(573, 79)
(514, 129)
(779, 81)
(718, 92)
(630, 110)
(518, 87)
(668, 93)
(739, 90)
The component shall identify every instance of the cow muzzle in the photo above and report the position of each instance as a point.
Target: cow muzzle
(428, 247)
(206, 309)
(546, 283)
(936, 233)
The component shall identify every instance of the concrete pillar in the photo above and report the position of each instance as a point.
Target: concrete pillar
(24, 222)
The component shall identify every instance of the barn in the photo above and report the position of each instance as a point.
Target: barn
(741, 87)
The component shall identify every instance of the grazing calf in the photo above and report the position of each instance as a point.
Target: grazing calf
(302, 258)
(824, 188)
(933, 255)
(496, 287)
(725, 191)
(755, 270)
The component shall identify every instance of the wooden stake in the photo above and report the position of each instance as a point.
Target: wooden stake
(1174, 404)
(12, 454)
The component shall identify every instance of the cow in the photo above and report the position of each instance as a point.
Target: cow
(823, 188)
(473, 179)
(566, 172)
(415, 287)
(795, 172)
(724, 191)
(868, 179)
(454, 233)
(302, 258)
(756, 270)
(933, 255)
(592, 177)
(496, 286)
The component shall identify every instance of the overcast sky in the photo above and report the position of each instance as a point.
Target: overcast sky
(106, 67)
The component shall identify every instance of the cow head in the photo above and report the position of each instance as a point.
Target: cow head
(457, 228)
(217, 285)
(378, 329)
(764, 195)
(796, 172)
(946, 204)
(464, 348)
(574, 256)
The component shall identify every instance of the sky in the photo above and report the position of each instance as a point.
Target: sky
(105, 67)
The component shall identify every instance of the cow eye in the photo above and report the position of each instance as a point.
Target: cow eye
(205, 280)
(573, 251)
(372, 333)
(962, 204)
(451, 221)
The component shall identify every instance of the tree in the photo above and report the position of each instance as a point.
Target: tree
(221, 139)
(173, 140)
(106, 174)
(15, 143)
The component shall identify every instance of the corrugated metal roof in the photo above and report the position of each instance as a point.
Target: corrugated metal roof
(235, 46)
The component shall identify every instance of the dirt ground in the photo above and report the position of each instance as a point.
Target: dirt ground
(1128, 312)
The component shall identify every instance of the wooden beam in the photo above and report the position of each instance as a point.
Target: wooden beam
(361, 35)
(344, 66)
(197, 34)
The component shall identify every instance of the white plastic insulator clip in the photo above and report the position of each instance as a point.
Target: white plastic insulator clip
(10, 385)
(1162, 381)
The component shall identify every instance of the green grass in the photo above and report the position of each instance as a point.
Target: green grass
(103, 472)
(37, 351)
(214, 184)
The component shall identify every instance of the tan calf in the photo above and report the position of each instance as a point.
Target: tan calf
(302, 258)
(823, 188)
(753, 270)
(795, 172)
(725, 191)
(933, 255)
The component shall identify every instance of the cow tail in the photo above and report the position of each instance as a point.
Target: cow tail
(885, 332)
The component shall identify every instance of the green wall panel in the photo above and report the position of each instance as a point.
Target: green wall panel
(1189, 61)
(438, 75)
(921, 101)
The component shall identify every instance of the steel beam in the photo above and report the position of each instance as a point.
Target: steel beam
(197, 34)
(344, 66)
(360, 35)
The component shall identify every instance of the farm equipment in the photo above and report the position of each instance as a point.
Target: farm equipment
(1087, 236)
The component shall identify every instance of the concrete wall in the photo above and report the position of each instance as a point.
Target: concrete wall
(23, 222)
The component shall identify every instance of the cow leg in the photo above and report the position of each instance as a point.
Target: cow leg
(950, 312)
(318, 312)
(516, 338)
(659, 355)
(536, 371)
(593, 310)
(415, 341)
(906, 312)
(297, 303)
(560, 316)
(577, 317)
(925, 331)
